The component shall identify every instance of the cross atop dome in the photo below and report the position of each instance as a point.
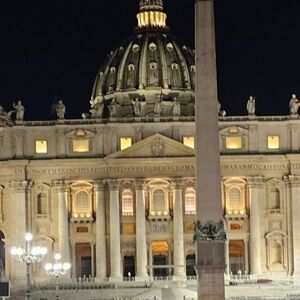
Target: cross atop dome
(151, 14)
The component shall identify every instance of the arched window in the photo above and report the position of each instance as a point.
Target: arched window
(42, 204)
(234, 201)
(127, 203)
(190, 202)
(159, 200)
(274, 199)
(82, 204)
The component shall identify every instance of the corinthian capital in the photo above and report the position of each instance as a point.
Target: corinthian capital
(294, 180)
(255, 181)
(20, 186)
(60, 185)
(177, 183)
(113, 184)
(99, 185)
(140, 184)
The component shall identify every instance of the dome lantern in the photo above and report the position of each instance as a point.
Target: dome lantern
(151, 14)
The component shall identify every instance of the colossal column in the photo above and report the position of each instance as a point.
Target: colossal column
(100, 230)
(114, 231)
(141, 243)
(295, 201)
(255, 185)
(63, 220)
(178, 230)
(18, 190)
(210, 263)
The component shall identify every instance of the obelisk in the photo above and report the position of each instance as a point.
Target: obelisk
(209, 236)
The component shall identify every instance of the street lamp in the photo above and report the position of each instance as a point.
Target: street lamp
(28, 256)
(57, 269)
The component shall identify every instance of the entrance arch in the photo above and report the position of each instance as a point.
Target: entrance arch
(160, 256)
(190, 265)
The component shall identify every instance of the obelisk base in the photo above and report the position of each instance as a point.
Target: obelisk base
(210, 270)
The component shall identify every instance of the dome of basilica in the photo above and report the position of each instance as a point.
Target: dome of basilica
(153, 73)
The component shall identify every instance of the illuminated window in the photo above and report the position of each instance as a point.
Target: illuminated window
(234, 195)
(82, 203)
(273, 142)
(41, 147)
(158, 200)
(233, 142)
(127, 203)
(189, 141)
(190, 202)
(125, 142)
(130, 67)
(81, 145)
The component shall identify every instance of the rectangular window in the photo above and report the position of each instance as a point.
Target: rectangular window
(125, 142)
(189, 141)
(273, 142)
(81, 146)
(127, 228)
(41, 147)
(233, 142)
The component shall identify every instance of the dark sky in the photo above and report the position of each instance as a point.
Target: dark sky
(52, 50)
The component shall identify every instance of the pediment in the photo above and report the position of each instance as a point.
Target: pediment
(156, 145)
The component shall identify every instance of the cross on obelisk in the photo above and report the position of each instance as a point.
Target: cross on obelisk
(209, 235)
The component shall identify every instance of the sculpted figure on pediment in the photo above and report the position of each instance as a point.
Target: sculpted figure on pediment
(294, 105)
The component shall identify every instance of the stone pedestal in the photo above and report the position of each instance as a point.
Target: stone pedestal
(100, 231)
(210, 270)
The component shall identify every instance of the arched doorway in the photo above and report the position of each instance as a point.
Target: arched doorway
(2, 256)
(160, 254)
(190, 264)
(129, 266)
(83, 260)
(237, 256)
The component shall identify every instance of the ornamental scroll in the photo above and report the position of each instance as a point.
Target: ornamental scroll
(210, 231)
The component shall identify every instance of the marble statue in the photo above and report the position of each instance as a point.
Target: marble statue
(5, 117)
(294, 105)
(97, 110)
(251, 106)
(137, 107)
(176, 107)
(113, 108)
(19, 109)
(158, 105)
(60, 110)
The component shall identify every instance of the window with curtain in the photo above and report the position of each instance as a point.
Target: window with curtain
(158, 200)
(190, 202)
(42, 204)
(234, 201)
(82, 204)
(127, 203)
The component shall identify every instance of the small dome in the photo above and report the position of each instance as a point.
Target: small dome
(151, 64)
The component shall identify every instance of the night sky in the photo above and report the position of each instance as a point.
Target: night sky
(51, 50)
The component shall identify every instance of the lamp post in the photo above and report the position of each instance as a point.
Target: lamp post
(28, 256)
(57, 269)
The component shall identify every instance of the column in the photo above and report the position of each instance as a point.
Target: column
(18, 190)
(114, 231)
(295, 203)
(255, 185)
(141, 241)
(227, 261)
(178, 230)
(63, 220)
(101, 272)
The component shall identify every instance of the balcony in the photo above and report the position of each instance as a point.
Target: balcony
(236, 214)
(82, 217)
(159, 215)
